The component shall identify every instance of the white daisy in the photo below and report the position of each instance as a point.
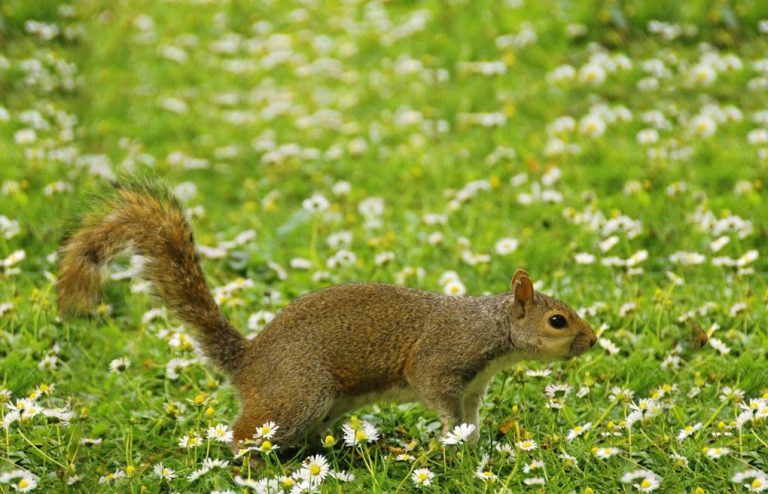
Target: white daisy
(526, 445)
(190, 441)
(314, 469)
(649, 480)
(605, 453)
(577, 431)
(485, 475)
(584, 258)
(756, 481)
(358, 434)
(259, 319)
(506, 246)
(266, 431)
(119, 364)
(220, 432)
(454, 288)
(688, 430)
(592, 125)
(316, 203)
(422, 477)
(19, 480)
(716, 453)
(458, 435)
(568, 460)
(163, 472)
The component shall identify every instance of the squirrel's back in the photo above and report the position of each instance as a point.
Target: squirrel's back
(364, 332)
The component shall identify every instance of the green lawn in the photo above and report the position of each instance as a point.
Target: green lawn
(616, 150)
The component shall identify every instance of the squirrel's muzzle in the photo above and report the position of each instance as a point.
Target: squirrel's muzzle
(583, 342)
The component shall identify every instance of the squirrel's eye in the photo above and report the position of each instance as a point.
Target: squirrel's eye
(558, 322)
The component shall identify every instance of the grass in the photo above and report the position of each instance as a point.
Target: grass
(251, 109)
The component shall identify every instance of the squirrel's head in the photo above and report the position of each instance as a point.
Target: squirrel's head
(549, 329)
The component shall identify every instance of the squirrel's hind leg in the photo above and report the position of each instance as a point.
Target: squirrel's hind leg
(296, 415)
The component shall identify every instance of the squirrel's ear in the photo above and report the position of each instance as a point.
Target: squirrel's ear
(518, 274)
(523, 295)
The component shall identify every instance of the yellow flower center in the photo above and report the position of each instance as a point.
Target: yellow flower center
(314, 470)
(526, 444)
(645, 483)
(423, 476)
(757, 483)
(688, 429)
(266, 446)
(360, 436)
(24, 483)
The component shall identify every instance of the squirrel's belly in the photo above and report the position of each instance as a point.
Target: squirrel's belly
(479, 384)
(398, 394)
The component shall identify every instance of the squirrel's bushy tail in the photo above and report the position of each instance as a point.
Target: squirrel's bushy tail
(145, 216)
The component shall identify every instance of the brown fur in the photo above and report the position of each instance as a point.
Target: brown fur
(332, 350)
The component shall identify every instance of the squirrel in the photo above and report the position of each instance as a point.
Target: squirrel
(330, 351)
